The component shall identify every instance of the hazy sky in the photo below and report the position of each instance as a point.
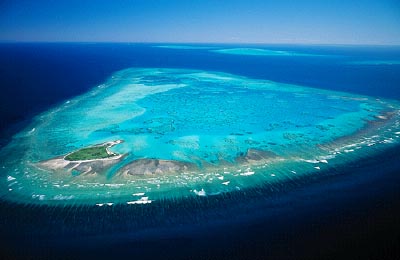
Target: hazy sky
(240, 21)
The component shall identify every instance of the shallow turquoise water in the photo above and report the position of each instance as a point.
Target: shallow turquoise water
(265, 52)
(210, 119)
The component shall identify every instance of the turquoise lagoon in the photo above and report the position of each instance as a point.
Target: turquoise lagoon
(234, 132)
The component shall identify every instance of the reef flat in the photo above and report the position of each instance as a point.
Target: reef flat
(264, 52)
(153, 134)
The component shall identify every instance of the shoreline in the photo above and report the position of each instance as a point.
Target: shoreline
(83, 167)
(107, 145)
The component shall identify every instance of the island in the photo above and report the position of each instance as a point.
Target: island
(100, 151)
(89, 160)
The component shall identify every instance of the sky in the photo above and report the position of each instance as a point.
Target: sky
(375, 22)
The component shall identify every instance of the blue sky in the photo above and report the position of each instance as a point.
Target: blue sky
(235, 21)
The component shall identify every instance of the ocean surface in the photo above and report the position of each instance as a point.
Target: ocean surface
(351, 209)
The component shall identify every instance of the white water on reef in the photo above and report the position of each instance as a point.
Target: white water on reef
(210, 119)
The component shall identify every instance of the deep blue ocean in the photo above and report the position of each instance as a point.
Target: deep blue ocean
(353, 214)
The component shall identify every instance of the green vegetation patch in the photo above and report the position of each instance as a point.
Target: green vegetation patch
(90, 153)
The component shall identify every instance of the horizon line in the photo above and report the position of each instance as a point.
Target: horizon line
(205, 43)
